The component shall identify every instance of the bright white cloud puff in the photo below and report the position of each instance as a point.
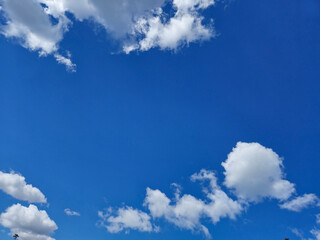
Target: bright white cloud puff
(137, 24)
(255, 172)
(15, 185)
(29, 222)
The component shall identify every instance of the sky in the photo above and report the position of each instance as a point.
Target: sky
(159, 119)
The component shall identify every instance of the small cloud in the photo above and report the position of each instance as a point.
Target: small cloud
(71, 213)
(318, 218)
(125, 219)
(66, 61)
(297, 232)
(299, 203)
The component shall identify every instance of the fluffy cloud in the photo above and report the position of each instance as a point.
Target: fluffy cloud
(187, 211)
(252, 171)
(69, 212)
(301, 203)
(255, 172)
(137, 24)
(16, 186)
(183, 28)
(29, 222)
(33, 27)
(126, 218)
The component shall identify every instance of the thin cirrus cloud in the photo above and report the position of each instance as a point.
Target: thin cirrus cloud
(246, 162)
(15, 185)
(138, 25)
(29, 222)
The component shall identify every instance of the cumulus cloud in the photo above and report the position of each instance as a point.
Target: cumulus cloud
(16, 186)
(300, 203)
(255, 172)
(252, 172)
(183, 28)
(125, 219)
(69, 212)
(29, 222)
(187, 211)
(40, 25)
(32, 26)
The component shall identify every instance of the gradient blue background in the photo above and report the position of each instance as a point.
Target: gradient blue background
(98, 137)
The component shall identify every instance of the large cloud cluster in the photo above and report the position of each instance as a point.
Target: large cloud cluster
(252, 173)
(40, 25)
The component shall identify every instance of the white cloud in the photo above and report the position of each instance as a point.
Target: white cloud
(66, 61)
(301, 203)
(126, 218)
(183, 28)
(33, 27)
(255, 172)
(252, 172)
(316, 233)
(29, 223)
(69, 212)
(297, 232)
(16, 186)
(187, 211)
(318, 218)
(136, 24)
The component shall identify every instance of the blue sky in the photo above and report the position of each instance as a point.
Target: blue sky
(92, 127)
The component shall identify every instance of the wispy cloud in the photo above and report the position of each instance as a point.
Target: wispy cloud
(300, 203)
(69, 212)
